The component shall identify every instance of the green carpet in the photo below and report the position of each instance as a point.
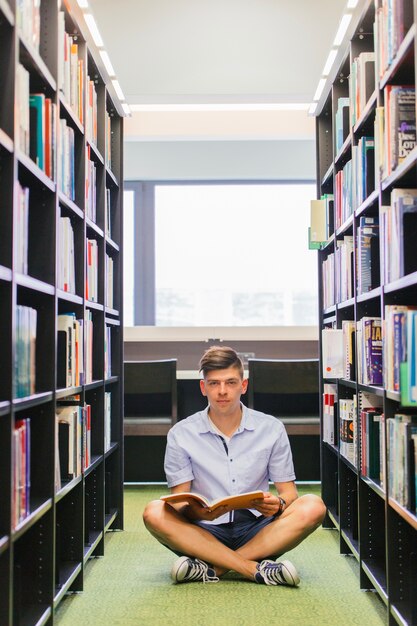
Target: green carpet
(131, 586)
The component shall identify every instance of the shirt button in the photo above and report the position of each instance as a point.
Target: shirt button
(231, 460)
(233, 480)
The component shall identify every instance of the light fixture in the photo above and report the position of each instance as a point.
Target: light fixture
(319, 89)
(83, 3)
(91, 23)
(341, 31)
(352, 4)
(118, 89)
(238, 106)
(107, 63)
(329, 62)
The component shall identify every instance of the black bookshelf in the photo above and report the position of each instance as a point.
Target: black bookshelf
(50, 526)
(373, 526)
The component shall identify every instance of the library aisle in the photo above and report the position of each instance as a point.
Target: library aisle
(132, 586)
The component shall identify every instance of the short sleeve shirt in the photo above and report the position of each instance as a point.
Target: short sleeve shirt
(258, 452)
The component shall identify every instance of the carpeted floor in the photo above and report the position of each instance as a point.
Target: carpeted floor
(131, 586)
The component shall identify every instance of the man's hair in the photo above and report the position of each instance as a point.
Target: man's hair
(220, 358)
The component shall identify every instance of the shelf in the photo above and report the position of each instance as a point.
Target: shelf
(5, 274)
(369, 295)
(346, 304)
(109, 519)
(7, 12)
(351, 542)
(403, 58)
(370, 202)
(32, 60)
(345, 227)
(95, 154)
(69, 204)
(33, 517)
(399, 175)
(376, 487)
(5, 141)
(35, 171)
(342, 154)
(49, 541)
(377, 576)
(89, 549)
(347, 383)
(69, 571)
(377, 391)
(69, 297)
(334, 517)
(401, 613)
(4, 407)
(67, 109)
(4, 544)
(111, 177)
(401, 283)
(408, 516)
(366, 114)
(28, 402)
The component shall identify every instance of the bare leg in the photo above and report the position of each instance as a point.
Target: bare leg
(301, 518)
(174, 531)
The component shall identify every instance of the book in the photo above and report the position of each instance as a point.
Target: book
(237, 501)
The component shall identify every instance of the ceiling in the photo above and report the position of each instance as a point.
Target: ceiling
(216, 51)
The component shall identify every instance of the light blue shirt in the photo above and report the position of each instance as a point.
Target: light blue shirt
(258, 452)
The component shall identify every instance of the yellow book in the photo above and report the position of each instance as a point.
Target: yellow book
(239, 501)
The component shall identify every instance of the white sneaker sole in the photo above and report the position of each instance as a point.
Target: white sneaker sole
(290, 573)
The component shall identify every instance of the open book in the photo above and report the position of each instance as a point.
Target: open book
(238, 501)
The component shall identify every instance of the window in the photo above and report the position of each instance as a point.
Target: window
(128, 256)
(234, 255)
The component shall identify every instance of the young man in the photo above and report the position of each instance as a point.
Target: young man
(228, 449)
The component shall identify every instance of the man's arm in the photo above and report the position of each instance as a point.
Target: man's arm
(273, 505)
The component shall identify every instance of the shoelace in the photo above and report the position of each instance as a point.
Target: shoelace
(199, 568)
(271, 575)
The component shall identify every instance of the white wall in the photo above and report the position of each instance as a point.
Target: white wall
(220, 160)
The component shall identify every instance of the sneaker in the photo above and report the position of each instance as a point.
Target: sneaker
(272, 573)
(188, 570)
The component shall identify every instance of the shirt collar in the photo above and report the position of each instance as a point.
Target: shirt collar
(247, 422)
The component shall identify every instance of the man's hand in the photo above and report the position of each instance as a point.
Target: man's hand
(270, 506)
(195, 511)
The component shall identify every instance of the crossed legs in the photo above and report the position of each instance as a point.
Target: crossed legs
(173, 530)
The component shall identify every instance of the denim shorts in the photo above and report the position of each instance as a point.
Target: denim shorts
(236, 534)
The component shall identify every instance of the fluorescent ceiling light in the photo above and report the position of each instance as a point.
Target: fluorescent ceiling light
(352, 4)
(83, 3)
(277, 106)
(341, 31)
(312, 109)
(118, 89)
(107, 63)
(319, 89)
(329, 62)
(91, 23)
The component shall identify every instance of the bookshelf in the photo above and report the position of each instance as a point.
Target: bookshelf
(368, 287)
(61, 313)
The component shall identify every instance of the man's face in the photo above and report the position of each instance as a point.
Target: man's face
(223, 389)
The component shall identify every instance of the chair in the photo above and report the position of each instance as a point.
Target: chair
(289, 390)
(150, 397)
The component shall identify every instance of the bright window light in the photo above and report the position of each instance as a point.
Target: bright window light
(95, 33)
(341, 31)
(234, 255)
(352, 4)
(83, 3)
(313, 108)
